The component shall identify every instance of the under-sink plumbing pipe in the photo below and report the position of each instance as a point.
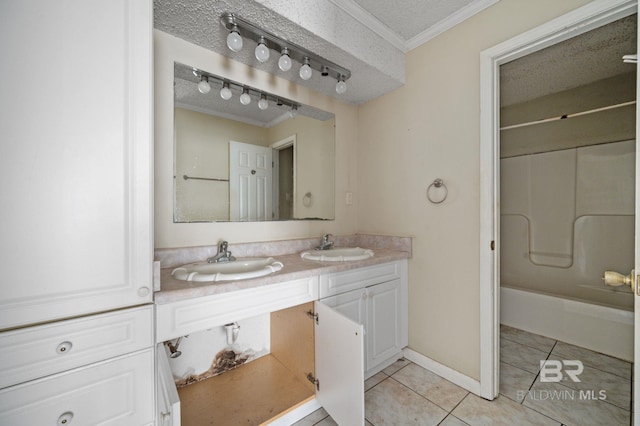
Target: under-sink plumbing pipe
(232, 330)
(173, 348)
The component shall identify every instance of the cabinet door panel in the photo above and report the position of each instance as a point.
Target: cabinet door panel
(351, 305)
(75, 162)
(384, 322)
(115, 392)
(339, 366)
(167, 399)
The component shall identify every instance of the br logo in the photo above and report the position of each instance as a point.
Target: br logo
(552, 370)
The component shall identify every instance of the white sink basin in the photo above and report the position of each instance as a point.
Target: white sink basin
(344, 254)
(240, 269)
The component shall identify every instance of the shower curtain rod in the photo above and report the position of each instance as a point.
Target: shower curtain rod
(576, 114)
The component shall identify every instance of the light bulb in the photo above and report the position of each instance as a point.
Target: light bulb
(305, 70)
(203, 86)
(262, 51)
(225, 92)
(245, 99)
(262, 103)
(284, 63)
(234, 40)
(341, 86)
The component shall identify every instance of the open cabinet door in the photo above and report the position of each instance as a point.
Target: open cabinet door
(167, 400)
(339, 365)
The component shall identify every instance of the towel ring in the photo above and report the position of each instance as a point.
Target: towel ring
(307, 199)
(438, 183)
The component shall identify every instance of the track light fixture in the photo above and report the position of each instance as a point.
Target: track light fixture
(225, 92)
(234, 40)
(248, 92)
(284, 63)
(262, 51)
(289, 52)
(204, 87)
(245, 99)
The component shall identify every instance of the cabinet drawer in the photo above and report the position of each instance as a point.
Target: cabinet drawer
(114, 392)
(187, 316)
(46, 349)
(341, 282)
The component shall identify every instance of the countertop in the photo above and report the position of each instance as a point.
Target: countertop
(173, 290)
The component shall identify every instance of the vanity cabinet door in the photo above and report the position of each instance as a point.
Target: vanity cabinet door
(75, 161)
(339, 365)
(167, 399)
(384, 322)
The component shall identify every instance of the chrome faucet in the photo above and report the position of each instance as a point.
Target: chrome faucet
(325, 244)
(223, 255)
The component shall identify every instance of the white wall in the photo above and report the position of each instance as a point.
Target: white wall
(430, 129)
(168, 49)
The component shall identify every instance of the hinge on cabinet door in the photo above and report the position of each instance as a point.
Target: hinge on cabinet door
(314, 381)
(311, 315)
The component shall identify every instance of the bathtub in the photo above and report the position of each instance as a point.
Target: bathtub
(600, 328)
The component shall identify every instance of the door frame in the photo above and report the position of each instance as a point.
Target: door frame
(289, 141)
(581, 20)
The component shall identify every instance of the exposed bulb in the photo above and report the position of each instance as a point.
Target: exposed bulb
(262, 103)
(203, 86)
(234, 40)
(341, 86)
(305, 70)
(245, 99)
(225, 92)
(284, 63)
(262, 51)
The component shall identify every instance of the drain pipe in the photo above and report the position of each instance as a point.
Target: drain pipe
(232, 329)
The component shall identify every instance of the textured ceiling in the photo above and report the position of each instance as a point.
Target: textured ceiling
(369, 38)
(581, 60)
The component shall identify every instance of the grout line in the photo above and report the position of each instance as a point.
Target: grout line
(424, 397)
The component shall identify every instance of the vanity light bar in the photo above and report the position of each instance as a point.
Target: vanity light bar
(243, 88)
(233, 22)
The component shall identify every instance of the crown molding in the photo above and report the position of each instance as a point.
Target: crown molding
(449, 22)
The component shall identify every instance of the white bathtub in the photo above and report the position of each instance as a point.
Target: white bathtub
(599, 328)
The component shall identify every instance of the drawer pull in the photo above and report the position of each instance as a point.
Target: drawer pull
(62, 349)
(65, 418)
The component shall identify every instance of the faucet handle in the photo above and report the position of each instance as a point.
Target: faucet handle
(325, 237)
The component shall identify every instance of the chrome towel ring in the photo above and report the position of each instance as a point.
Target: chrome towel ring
(437, 183)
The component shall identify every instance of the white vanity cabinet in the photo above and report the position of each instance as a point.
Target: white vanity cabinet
(75, 158)
(376, 297)
(307, 337)
(96, 369)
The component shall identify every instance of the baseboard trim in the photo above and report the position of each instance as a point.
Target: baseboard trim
(443, 371)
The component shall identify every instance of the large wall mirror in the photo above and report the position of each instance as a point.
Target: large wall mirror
(270, 159)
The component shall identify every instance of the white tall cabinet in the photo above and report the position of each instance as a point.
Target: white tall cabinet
(76, 191)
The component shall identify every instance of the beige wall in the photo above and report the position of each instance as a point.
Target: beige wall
(430, 129)
(168, 49)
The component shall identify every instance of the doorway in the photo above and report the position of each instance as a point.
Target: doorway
(594, 15)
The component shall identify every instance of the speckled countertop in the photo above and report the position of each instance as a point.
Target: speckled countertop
(386, 249)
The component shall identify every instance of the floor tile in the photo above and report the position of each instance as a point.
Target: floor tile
(433, 387)
(515, 382)
(327, 421)
(600, 361)
(521, 356)
(536, 341)
(396, 366)
(452, 420)
(391, 403)
(312, 418)
(374, 380)
(501, 411)
(568, 406)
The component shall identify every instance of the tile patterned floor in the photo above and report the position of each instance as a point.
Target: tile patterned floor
(407, 394)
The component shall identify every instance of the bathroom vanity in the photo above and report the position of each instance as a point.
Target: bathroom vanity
(331, 326)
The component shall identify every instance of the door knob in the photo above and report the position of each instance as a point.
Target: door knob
(615, 279)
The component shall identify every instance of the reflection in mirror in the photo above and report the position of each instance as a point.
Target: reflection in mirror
(245, 162)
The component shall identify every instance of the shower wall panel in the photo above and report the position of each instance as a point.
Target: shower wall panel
(566, 216)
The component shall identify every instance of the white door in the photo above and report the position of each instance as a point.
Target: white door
(339, 365)
(250, 182)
